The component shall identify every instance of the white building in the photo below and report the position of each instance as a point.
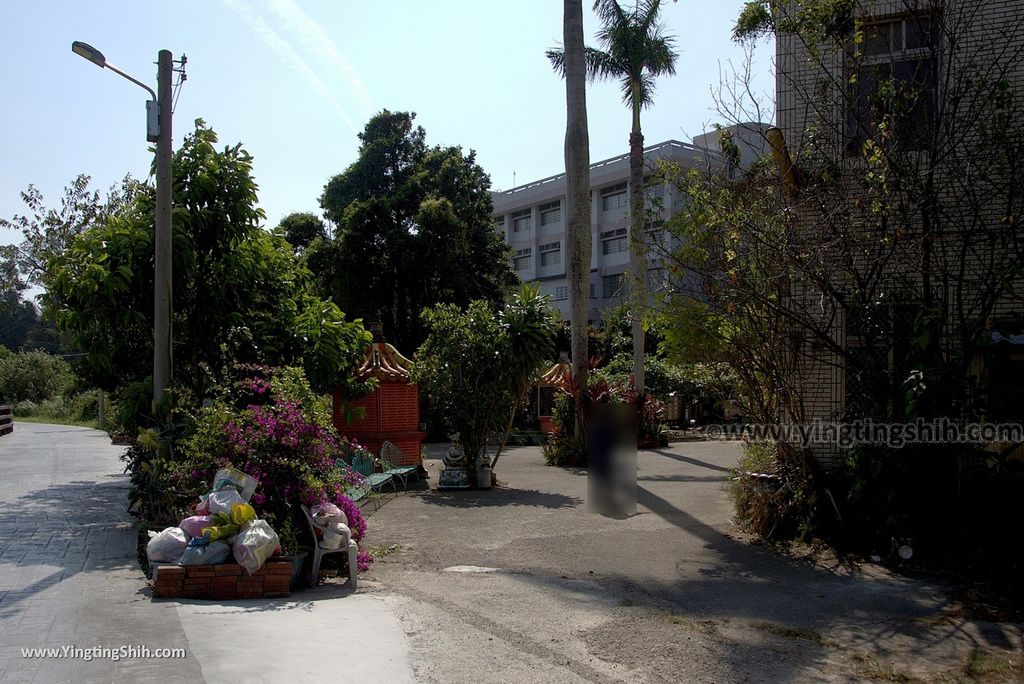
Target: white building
(531, 217)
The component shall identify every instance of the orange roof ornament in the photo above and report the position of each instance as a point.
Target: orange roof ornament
(383, 361)
(559, 375)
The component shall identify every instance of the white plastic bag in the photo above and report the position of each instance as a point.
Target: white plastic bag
(254, 545)
(335, 535)
(222, 500)
(166, 546)
(232, 477)
(205, 554)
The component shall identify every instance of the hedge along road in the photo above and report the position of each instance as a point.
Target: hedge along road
(69, 577)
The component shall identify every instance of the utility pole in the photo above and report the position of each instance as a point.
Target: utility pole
(162, 288)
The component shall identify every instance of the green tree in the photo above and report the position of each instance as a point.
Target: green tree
(240, 295)
(33, 376)
(413, 228)
(465, 368)
(531, 325)
(301, 228)
(634, 51)
(49, 232)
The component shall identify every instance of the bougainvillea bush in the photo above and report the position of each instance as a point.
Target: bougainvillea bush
(269, 424)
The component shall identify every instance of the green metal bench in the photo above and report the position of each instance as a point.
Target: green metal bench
(389, 453)
(364, 465)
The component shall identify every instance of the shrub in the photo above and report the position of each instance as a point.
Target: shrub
(564, 447)
(772, 500)
(271, 426)
(33, 376)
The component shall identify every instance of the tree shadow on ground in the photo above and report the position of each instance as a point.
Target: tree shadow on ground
(499, 496)
(691, 460)
(55, 533)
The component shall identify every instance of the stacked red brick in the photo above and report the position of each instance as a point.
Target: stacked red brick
(219, 582)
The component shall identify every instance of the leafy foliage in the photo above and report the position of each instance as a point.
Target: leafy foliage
(33, 376)
(413, 228)
(269, 423)
(49, 233)
(530, 325)
(465, 367)
(239, 294)
(301, 228)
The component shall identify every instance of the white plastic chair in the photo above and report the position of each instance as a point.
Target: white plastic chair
(319, 552)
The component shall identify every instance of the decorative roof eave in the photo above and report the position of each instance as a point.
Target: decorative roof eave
(385, 363)
(556, 376)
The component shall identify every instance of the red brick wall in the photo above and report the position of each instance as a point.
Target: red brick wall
(219, 582)
(392, 415)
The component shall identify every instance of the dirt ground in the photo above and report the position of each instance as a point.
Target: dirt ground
(522, 583)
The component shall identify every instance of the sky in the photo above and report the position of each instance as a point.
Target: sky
(295, 80)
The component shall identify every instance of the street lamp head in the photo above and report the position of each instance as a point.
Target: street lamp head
(89, 52)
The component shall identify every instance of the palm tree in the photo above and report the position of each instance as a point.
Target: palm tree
(530, 324)
(572, 64)
(634, 51)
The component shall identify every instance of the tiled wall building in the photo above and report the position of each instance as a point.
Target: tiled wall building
(932, 48)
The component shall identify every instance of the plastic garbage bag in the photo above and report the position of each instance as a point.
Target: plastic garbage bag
(166, 546)
(222, 500)
(242, 514)
(193, 525)
(333, 523)
(232, 477)
(221, 532)
(205, 554)
(254, 545)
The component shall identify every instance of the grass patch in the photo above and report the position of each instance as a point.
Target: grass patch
(702, 626)
(381, 551)
(792, 632)
(52, 420)
(983, 665)
(869, 667)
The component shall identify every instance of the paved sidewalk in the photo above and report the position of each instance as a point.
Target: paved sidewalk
(69, 577)
(522, 583)
(68, 569)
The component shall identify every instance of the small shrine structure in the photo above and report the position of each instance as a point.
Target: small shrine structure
(392, 411)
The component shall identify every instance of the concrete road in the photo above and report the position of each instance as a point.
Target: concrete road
(69, 577)
(523, 584)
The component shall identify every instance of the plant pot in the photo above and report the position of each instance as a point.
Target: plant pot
(483, 474)
(298, 561)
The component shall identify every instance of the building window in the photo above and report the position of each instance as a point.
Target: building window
(550, 254)
(550, 213)
(654, 191)
(654, 234)
(522, 259)
(894, 77)
(561, 292)
(593, 291)
(613, 286)
(522, 220)
(614, 241)
(656, 280)
(613, 197)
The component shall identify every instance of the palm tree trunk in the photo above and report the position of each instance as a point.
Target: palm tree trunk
(577, 188)
(638, 251)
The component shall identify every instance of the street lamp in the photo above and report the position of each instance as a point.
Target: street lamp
(158, 130)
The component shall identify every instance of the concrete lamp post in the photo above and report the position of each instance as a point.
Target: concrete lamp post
(158, 130)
